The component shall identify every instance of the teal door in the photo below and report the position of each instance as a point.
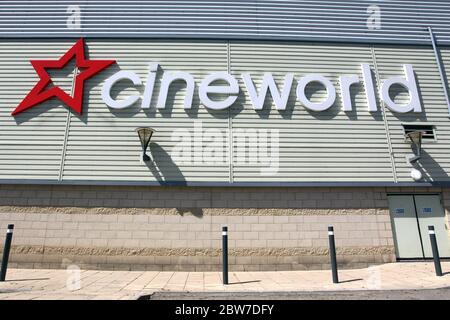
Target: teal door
(411, 215)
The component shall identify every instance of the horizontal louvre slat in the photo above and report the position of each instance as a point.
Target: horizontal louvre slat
(329, 146)
(435, 159)
(402, 21)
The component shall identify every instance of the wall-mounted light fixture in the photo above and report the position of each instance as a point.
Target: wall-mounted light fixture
(415, 138)
(145, 134)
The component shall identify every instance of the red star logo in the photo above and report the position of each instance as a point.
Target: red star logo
(88, 69)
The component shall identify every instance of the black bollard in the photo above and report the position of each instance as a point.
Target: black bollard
(434, 248)
(6, 249)
(334, 270)
(225, 254)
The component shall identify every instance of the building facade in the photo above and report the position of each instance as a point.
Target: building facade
(275, 118)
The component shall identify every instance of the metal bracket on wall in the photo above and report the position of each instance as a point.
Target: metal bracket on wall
(385, 120)
(66, 131)
(440, 67)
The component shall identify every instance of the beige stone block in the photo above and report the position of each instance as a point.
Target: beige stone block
(319, 243)
(125, 218)
(195, 243)
(274, 227)
(161, 243)
(110, 234)
(181, 227)
(172, 235)
(249, 235)
(109, 218)
(49, 242)
(385, 234)
(117, 243)
(243, 243)
(290, 243)
(258, 227)
(206, 235)
(281, 235)
(39, 233)
(38, 225)
(266, 219)
(243, 227)
(295, 219)
(100, 242)
(235, 220)
(67, 242)
(187, 236)
(266, 235)
(179, 243)
(153, 235)
(140, 235)
(155, 219)
(274, 243)
(258, 243)
(139, 219)
(93, 234)
(280, 219)
(84, 242)
(250, 219)
(118, 226)
(130, 226)
(289, 227)
(305, 242)
(70, 225)
(172, 219)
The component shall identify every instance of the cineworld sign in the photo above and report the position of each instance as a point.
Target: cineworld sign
(257, 96)
(228, 88)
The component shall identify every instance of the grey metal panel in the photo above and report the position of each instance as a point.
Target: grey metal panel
(228, 184)
(30, 145)
(102, 144)
(445, 59)
(402, 21)
(331, 145)
(404, 221)
(435, 160)
(431, 213)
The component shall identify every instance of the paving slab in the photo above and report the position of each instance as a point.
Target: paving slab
(406, 279)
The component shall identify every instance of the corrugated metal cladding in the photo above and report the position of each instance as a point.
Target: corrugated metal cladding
(402, 21)
(48, 142)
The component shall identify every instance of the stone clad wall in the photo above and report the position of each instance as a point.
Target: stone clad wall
(165, 228)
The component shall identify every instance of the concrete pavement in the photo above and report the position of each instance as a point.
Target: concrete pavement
(95, 284)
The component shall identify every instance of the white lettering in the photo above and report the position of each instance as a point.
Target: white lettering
(206, 88)
(147, 98)
(410, 84)
(268, 83)
(301, 96)
(258, 96)
(170, 77)
(345, 83)
(368, 85)
(109, 83)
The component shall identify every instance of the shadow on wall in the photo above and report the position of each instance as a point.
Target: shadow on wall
(400, 95)
(42, 108)
(163, 168)
(431, 170)
(167, 173)
(196, 212)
